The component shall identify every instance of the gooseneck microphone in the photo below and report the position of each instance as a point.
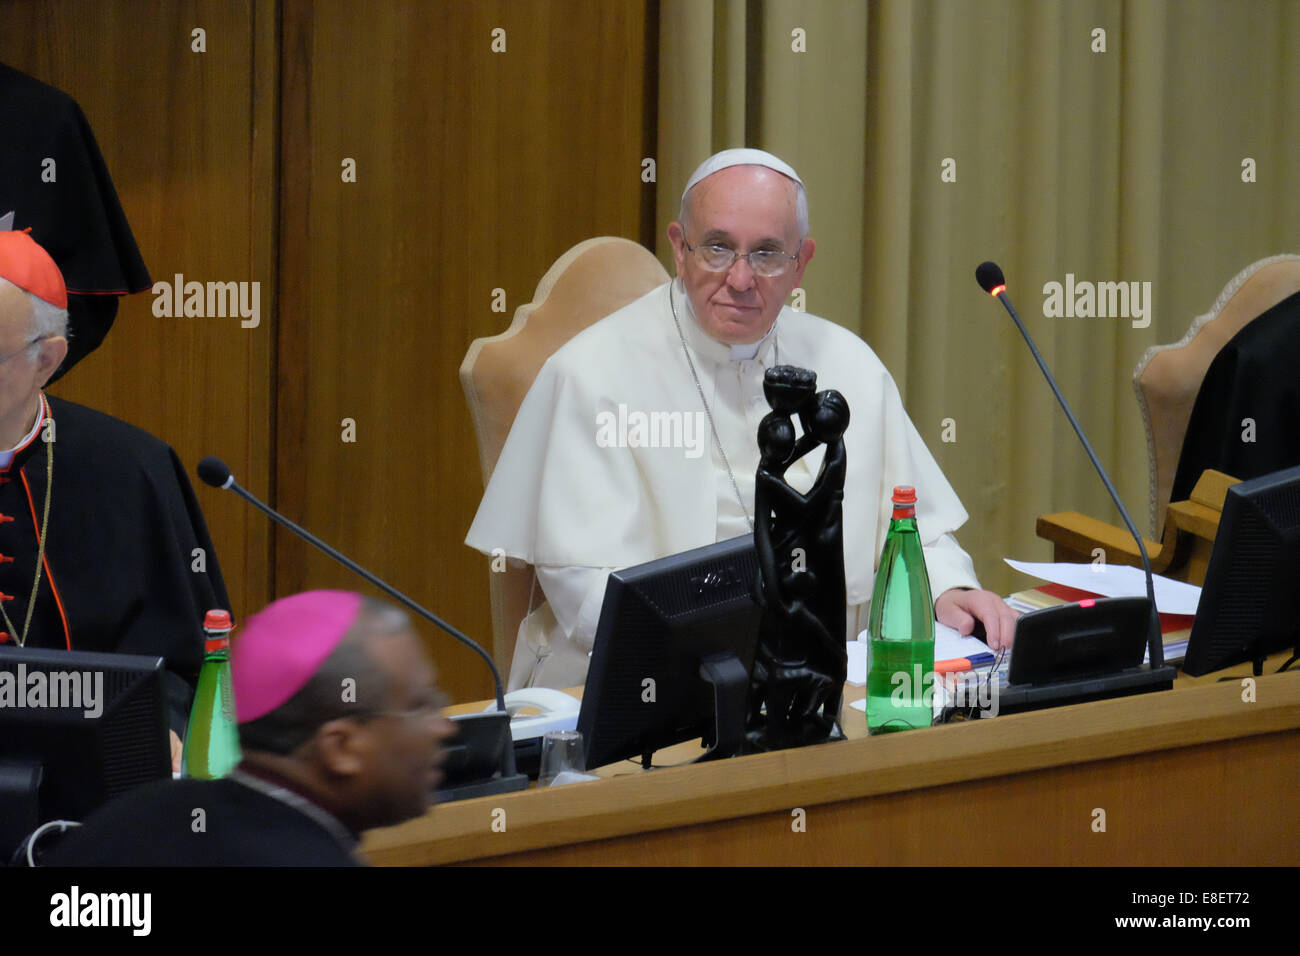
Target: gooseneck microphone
(989, 276)
(215, 472)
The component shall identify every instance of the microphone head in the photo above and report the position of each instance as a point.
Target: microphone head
(989, 276)
(214, 472)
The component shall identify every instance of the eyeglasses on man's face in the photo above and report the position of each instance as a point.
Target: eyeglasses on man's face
(768, 263)
(425, 705)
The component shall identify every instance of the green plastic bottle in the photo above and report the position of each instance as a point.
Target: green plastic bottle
(901, 626)
(212, 737)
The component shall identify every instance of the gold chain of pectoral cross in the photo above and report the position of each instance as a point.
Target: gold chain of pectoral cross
(40, 546)
(776, 359)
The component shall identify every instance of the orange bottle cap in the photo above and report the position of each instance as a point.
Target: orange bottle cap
(217, 620)
(904, 495)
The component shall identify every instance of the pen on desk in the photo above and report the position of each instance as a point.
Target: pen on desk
(959, 664)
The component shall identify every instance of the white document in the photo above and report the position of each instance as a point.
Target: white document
(1116, 580)
(948, 645)
(857, 662)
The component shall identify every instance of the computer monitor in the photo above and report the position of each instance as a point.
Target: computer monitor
(1250, 604)
(76, 729)
(673, 654)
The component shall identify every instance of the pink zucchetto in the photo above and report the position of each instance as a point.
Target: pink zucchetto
(278, 649)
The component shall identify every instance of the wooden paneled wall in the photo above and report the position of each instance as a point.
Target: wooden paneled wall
(177, 131)
(475, 170)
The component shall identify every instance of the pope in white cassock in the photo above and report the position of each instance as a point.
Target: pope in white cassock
(577, 492)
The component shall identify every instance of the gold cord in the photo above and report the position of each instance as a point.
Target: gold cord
(40, 549)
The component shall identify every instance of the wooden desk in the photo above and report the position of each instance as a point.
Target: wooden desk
(1193, 776)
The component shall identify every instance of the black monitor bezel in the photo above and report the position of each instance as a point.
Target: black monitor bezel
(86, 761)
(1220, 637)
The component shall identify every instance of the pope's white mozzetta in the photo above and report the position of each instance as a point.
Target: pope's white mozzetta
(576, 508)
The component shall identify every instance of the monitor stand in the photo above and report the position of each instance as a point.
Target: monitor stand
(729, 680)
(725, 732)
(20, 787)
(730, 683)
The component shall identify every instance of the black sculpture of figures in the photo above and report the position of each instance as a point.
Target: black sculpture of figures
(801, 663)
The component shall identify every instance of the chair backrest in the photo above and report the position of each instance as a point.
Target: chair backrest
(1168, 378)
(587, 283)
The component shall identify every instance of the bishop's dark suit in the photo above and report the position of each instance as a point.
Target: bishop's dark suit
(155, 825)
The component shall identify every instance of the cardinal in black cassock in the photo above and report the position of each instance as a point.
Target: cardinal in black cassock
(54, 181)
(102, 543)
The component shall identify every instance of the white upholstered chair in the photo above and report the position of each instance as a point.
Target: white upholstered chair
(587, 283)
